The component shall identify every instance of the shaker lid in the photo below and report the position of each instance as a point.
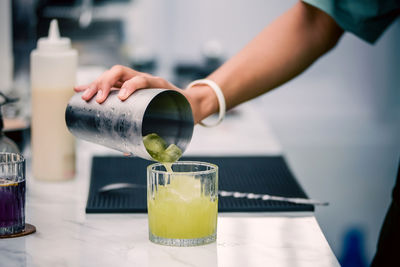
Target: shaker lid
(53, 42)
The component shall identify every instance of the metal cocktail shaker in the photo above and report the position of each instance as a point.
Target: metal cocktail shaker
(121, 125)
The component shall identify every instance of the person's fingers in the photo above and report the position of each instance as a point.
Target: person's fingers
(131, 86)
(103, 90)
(118, 85)
(112, 78)
(123, 78)
(142, 81)
(108, 80)
(80, 88)
(90, 92)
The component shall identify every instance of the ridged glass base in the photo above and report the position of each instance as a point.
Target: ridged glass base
(9, 230)
(182, 242)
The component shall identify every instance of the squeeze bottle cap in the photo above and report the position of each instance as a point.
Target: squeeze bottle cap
(54, 42)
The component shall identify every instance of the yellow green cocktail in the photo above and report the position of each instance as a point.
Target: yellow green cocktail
(183, 205)
(180, 210)
(182, 197)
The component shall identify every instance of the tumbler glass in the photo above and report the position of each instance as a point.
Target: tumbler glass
(183, 204)
(12, 193)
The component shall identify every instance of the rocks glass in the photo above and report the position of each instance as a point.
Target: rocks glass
(182, 205)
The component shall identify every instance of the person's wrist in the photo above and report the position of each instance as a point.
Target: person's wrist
(202, 100)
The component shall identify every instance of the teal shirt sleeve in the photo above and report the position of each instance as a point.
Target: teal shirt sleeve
(367, 19)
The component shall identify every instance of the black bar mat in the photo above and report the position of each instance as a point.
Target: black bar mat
(261, 175)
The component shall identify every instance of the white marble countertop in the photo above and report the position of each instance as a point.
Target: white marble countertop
(66, 236)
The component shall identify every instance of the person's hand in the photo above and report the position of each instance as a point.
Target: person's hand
(124, 79)
(202, 99)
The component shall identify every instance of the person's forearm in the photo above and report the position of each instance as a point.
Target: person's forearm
(281, 51)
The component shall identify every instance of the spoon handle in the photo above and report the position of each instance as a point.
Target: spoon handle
(271, 197)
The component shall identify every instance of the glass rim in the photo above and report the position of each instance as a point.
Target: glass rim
(20, 160)
(150, 168)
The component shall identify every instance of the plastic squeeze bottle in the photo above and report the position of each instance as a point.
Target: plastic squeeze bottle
(53, 76)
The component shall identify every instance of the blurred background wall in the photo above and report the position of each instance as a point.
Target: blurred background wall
(338, 122)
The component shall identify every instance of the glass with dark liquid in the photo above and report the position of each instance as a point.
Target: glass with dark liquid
(12, 193)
